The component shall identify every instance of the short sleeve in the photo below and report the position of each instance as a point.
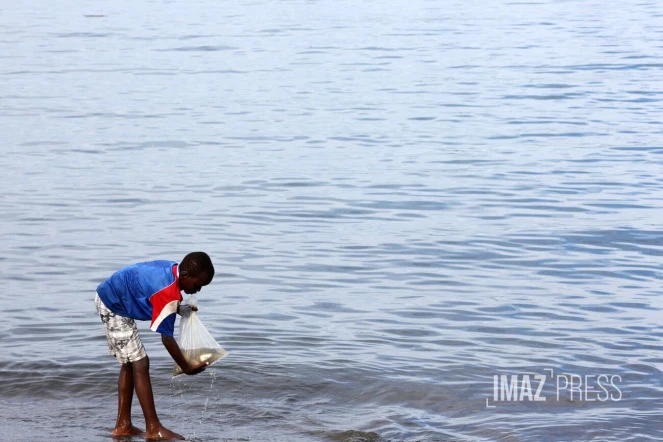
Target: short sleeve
(164, 308)
(167, 326)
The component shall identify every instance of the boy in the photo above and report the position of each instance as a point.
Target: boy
(147, 291)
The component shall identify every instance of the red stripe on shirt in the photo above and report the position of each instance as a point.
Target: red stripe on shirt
(161, 298)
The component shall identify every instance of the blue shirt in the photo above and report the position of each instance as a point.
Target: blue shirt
(145, 291)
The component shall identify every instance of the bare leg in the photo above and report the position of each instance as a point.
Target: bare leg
(141, 372)
(125, 394)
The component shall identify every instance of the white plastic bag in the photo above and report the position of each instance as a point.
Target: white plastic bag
(196, 343)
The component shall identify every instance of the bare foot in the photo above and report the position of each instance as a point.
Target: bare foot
(163, 434)
(127, 431)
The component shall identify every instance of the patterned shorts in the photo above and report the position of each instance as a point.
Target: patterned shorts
(122, 335)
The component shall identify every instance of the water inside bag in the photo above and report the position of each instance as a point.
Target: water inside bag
(200, 355)
(197, 344)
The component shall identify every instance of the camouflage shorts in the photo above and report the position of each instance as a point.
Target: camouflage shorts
(122, 335)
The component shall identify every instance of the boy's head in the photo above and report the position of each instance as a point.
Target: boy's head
(196, 271)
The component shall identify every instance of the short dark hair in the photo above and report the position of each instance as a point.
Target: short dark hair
(196, 263)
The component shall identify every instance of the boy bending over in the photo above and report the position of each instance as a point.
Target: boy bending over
(147, 291)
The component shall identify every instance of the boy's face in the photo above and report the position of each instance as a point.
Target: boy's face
(192, 284)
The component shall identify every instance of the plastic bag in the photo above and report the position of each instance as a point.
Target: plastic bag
(196, 343)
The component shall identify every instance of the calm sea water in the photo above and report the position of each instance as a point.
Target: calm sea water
(403, 200)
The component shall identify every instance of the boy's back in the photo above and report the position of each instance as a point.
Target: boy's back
(144, 291)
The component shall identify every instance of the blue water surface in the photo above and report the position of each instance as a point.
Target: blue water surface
(404, 201)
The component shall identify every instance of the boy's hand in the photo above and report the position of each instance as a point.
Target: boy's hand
(185, 309)
(176, 353)
(195, 370)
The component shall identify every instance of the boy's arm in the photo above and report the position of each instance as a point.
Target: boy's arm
(175, 352)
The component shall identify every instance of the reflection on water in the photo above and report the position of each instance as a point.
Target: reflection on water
(402, 202)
